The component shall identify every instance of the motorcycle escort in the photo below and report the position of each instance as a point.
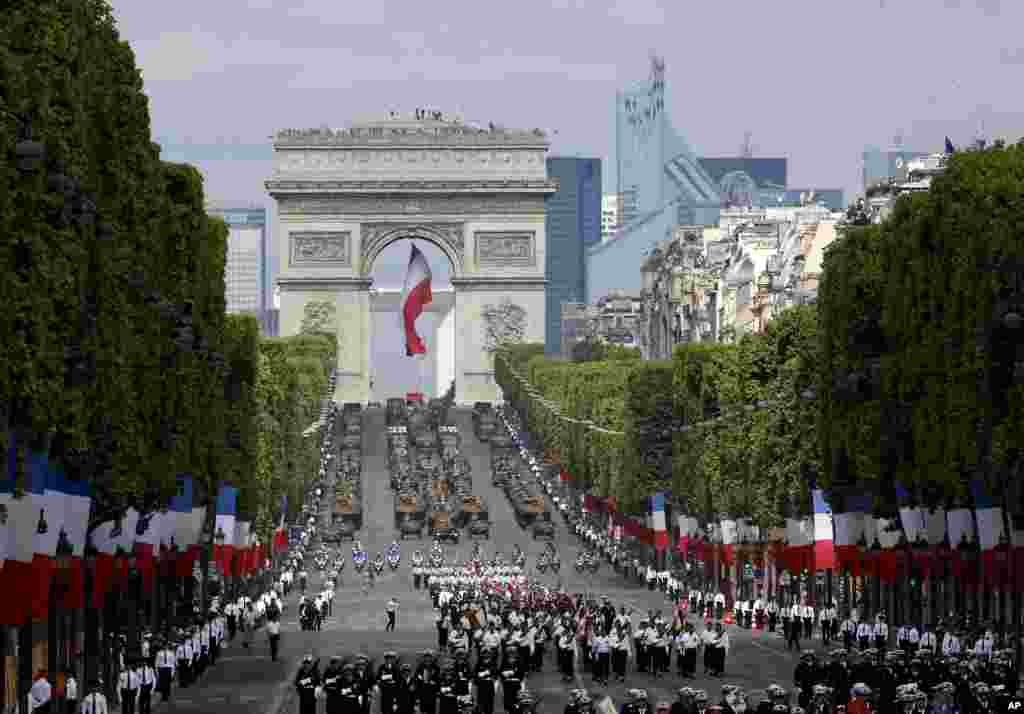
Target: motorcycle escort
(394, 556)
(378, 564)
(542, 563)
(417, 569)
(359, 559)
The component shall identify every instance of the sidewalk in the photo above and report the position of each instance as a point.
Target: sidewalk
(244, 681)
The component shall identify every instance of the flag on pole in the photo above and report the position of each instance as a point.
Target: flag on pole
(227, 498)
(280, 536)
(658, 521)
(990, 532)
(21, 586)
(799, 544)
(729, 531)
(72, 499)
(824, 551)
(147, 540)
(6, 496)
(911, 518)
(849, 529)
(416, 294)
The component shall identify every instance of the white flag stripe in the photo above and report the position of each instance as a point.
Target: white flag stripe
(822, 527)
(990, 527)
(102, 539)
(658, 521)
(960, 523)
(728, 532)
(54, 506)
(888, 533)
(935, 525)
(849, 527)
(225, 523)
(799, 531)
(913, 522)
(76, 521)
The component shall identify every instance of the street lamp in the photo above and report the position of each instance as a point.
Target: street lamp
(57, 643)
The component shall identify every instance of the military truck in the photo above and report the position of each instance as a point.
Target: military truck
(410, 516)
(527, 509)
(347, 517)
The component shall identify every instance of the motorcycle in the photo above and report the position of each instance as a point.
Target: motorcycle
(436, 560)
(378, 565)
(542, 564)
(359, 560)
(393, 561)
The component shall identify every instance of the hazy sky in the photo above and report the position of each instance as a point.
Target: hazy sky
(813, 80)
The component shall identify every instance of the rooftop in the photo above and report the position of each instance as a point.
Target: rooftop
(418, 128)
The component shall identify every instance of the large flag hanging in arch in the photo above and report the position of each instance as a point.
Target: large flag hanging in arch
(415, 296)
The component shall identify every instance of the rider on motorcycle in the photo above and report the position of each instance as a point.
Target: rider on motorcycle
(378, 562)
(417, 558)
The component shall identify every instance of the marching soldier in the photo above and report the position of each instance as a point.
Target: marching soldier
(848, 628)
(485, 678)
(864, 635)
(388, 680)
(306, 682)
(332, 686)
(881, 633)
(406, 693)
(352, 698)
(183, 652)
(773, 614)
(146, 684)
(828, 623)
(165, 662)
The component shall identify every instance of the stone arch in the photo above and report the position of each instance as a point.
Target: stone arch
(376, 237)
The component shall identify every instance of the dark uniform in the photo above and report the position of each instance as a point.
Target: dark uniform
(351, 692)
(511, 684)
(388, 679)
(485, 677)
(427, 680)
(407, 692)
(332, 686)
(306, 682)
(447, 696)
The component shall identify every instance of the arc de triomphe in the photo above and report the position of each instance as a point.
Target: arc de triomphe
(344, 195)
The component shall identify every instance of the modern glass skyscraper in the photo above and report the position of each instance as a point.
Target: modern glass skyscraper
(247, 274)
(660, 181)
(572, 224)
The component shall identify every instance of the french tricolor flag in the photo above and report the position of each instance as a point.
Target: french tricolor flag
(658, 521)
(912, 518)
(70, 502)
(241, 542)
(416, 295)
(227, 498)
(990, 531)
(799, 543)
(26, 577)
(824, 552)
(729, 531)
(188, 524)
(280, 536)
(849, 529)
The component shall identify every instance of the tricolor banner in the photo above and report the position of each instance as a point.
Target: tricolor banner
(848, 530)
(799, 544)
(990, 533)
(824, 552)
(416, 295)
(658, 525)
(224, 526)
(729, 531)
(72, 500)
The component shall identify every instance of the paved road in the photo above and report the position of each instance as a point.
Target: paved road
(756, 659)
